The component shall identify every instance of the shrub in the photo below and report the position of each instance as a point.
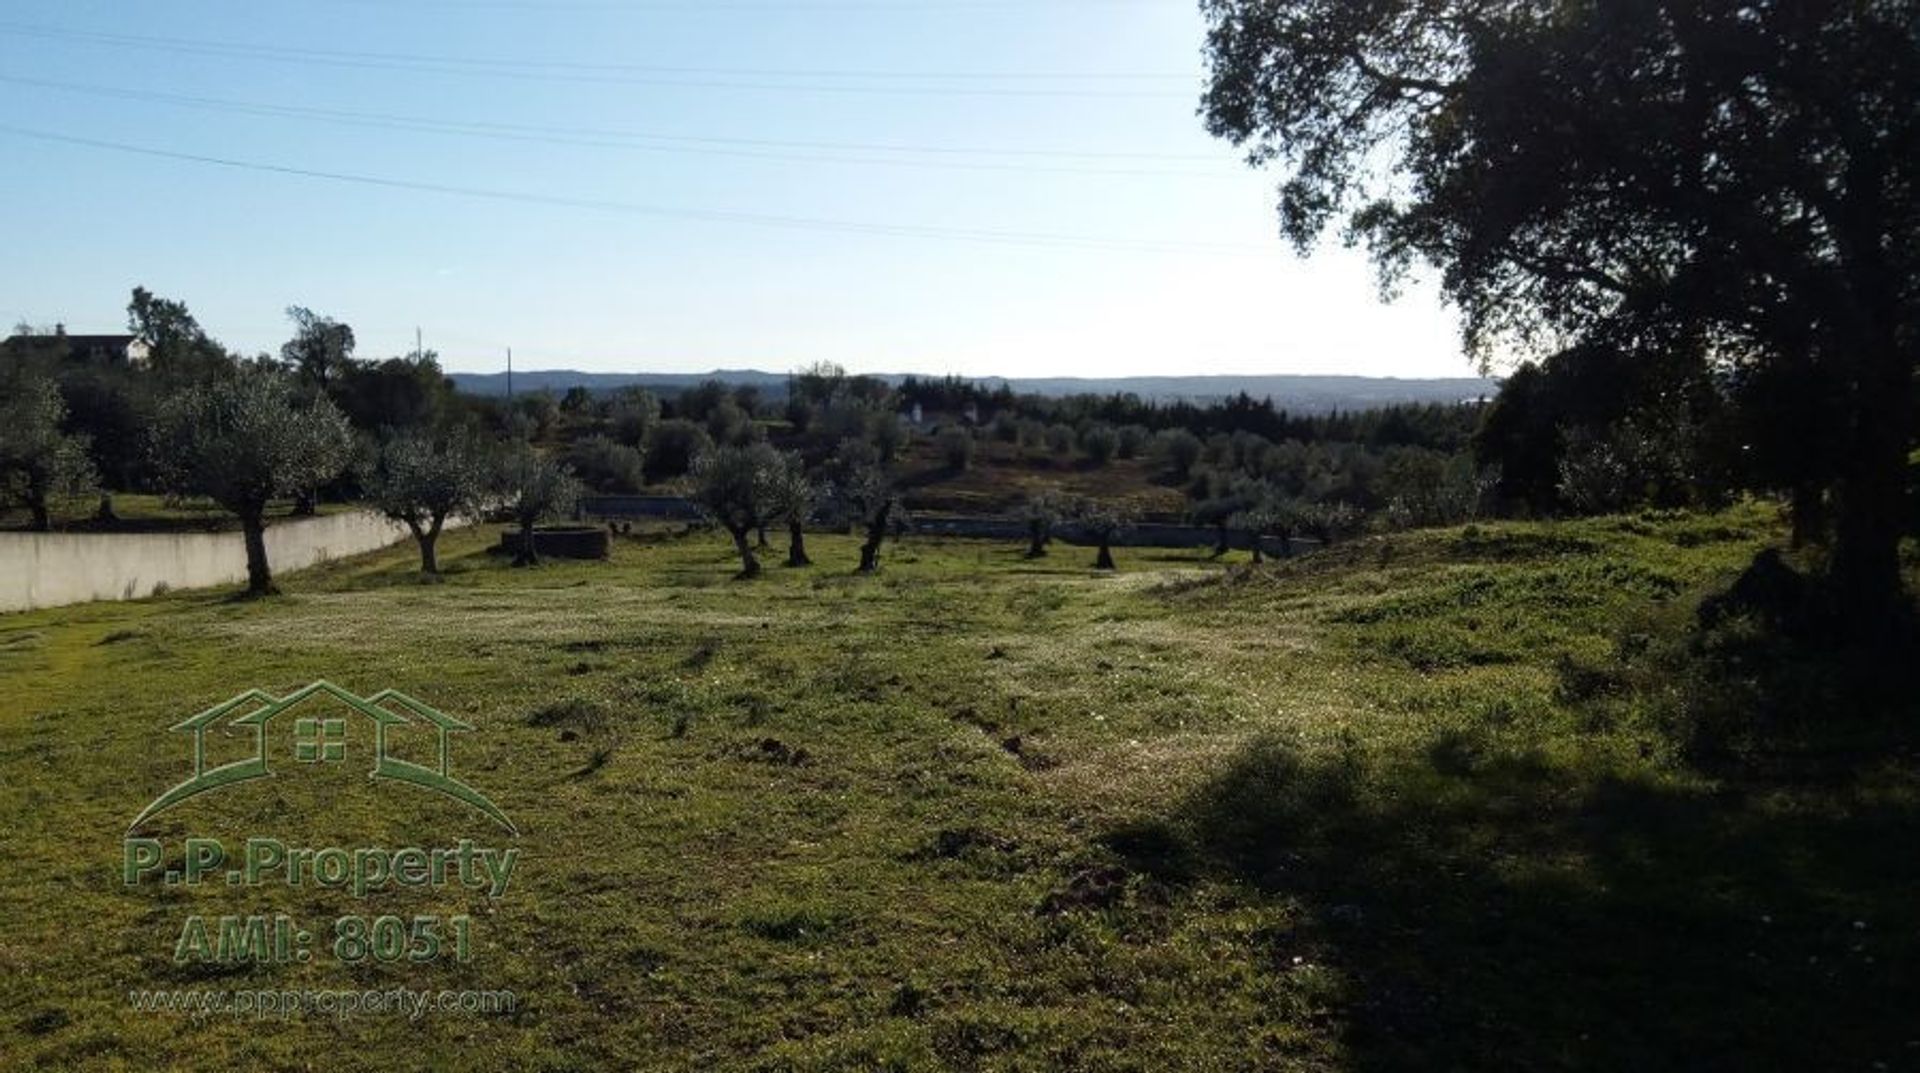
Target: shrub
(728, 424)
(956, 448)
(1099, 442)
(884, 429)
(1178, 450)
(672, 447)
(606, 465)
(631, 415)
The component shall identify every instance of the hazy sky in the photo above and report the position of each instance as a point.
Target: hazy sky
(1013, 187)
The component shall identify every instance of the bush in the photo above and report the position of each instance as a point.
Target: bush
(729, 425)
(885, 430)
(631, 415)
(1132, 439)
(1059, 439)
(1178, 450)
(1099, 442)
(956, 448)
(672, 447)
(606, 465)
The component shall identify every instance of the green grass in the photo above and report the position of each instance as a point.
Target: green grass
(982, 813)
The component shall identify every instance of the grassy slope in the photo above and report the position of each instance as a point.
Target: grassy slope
(1331, 814)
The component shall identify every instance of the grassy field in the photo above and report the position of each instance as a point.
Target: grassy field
(1361, 810)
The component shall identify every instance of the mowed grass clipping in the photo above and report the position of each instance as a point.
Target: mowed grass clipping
(977, 812)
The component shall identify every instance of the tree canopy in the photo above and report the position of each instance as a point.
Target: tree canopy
(38, 460)
(1732, 181)
(242, 441)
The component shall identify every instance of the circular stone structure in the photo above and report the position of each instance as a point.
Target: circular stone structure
(559, 541)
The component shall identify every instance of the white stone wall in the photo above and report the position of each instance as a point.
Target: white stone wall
(51, 569)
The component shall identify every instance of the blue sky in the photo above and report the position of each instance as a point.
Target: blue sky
(969, 186)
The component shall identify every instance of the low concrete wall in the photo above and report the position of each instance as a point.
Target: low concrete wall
(633, 506)
(52, 569)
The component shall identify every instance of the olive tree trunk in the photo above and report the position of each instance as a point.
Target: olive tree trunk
(797, 545)
(1865, 567)
(876, 531)
(428, 536)
(1036, 539)
(749, 564)
(1808, 513)
(529, 554)
(253, 527)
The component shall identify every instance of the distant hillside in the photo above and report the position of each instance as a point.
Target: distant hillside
(1299, 393)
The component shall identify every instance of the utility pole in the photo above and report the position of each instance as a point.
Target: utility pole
(418, 348)
(509, 374)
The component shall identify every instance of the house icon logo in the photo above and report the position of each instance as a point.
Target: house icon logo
(318, 740)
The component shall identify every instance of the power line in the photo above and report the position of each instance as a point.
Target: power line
(568, 71)
(606, 139)
(802, 223)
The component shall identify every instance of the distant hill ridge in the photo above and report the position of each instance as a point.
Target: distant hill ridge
(1292, 392)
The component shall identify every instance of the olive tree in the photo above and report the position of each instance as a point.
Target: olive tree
(956, 448)
(1100, 442)
(1178, 450)
(533, 488)
(1104, 522)
(421, 481)
(793, 495)
(243, 441)
(1330, 521)
(866, 493)
(38, 461)
(1221, 512)
(1041, 512)
(735, 486)
(1267, 512)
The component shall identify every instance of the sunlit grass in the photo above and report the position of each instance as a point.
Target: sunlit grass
(974, 811)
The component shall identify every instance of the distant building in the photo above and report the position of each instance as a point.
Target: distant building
(102, 348)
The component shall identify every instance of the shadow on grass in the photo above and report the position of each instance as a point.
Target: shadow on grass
(1494, 911)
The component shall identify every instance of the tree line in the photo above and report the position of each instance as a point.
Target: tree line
(245, 432)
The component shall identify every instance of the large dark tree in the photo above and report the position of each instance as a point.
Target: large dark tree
(1736, 177)
(179, 349)
(398, 393)
(321, 350)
